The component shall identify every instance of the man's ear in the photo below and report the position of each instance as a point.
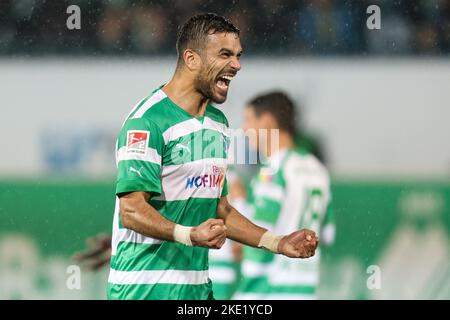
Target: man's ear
(191, 59)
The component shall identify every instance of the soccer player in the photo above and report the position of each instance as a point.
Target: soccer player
(291, 191)
(171, 190)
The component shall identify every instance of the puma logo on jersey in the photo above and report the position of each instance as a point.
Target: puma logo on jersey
(138, 172)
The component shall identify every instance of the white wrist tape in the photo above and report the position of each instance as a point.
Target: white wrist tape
(270, 241)
(182, 234)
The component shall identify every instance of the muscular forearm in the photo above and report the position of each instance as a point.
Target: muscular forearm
(298, 244)
(239, 228)
(141, 217)
(138, 215)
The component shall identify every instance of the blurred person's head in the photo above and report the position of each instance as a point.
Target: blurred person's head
(271, 111)
(240, 16)
(427, 38)
(113, 26)
(209, 50)
(148, 29)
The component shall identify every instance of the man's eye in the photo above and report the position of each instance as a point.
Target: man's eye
(225, 55)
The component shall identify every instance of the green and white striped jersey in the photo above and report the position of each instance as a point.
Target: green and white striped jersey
(290, 192)
(181, 160)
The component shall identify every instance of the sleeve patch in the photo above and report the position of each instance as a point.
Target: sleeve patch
(137, 141)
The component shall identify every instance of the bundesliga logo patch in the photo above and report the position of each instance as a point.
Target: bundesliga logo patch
(137, 141)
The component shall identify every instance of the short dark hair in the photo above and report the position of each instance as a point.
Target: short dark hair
(278, 104)
(193, 33)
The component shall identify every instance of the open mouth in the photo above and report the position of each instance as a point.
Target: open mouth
(224, 81)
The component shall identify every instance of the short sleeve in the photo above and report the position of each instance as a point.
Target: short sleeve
(140, 147)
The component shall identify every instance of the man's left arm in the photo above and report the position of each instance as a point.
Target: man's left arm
(299, 244)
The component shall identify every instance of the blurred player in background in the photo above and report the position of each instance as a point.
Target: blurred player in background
(290, 191)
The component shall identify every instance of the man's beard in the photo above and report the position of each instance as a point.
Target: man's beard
(205, 87)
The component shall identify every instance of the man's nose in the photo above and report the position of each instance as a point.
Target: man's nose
(235, 64)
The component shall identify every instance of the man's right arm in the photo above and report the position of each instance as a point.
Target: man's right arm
(138, 215)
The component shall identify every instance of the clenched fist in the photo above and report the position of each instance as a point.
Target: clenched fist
(210, 233)
(299, 244)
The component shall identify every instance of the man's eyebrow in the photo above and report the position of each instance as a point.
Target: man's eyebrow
(225, 50)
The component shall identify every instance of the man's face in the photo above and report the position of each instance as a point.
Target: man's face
(220, 63)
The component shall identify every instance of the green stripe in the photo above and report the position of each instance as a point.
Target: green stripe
(131, 181)
(215, 114)
(223, 291)
(150, 170)
(166, 114)
(159, 291)
(267, 210)
(164, 256)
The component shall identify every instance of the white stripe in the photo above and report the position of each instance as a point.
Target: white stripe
(154, 99)
(151, 155)
(328, 234)
(132, 110)
(158, 276)
(273, 296)
(193, 125)
(181, 129)
(211, 124)
(222, 274)
(288, 277)
(195, 166)
(173, 184)
(127, 235)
